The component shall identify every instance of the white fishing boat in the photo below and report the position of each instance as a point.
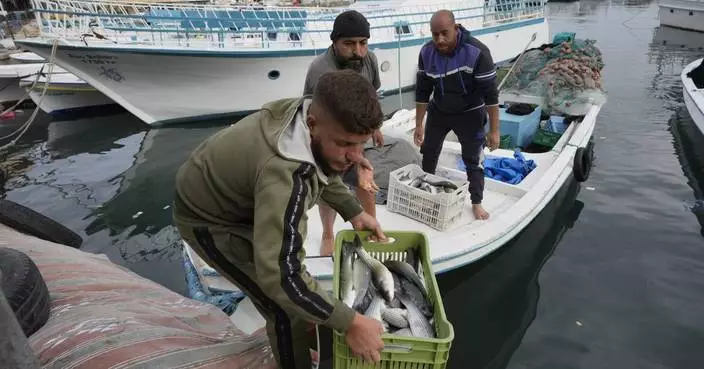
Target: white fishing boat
(10, 76)
(512, 205)
(685, 14)
(28, 65)
(171, 62)
(693, 95)
(66, 93)
(27, 57)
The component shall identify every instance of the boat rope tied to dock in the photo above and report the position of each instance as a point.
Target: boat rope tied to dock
(25, 126)
(566, 75)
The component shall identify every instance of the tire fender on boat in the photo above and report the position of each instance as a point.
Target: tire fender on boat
(25, 289)
(583, 160)
(32, 223)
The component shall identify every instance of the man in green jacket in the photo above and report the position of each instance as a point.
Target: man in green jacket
(241, 202)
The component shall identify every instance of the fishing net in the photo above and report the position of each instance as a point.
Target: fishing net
(566, 75)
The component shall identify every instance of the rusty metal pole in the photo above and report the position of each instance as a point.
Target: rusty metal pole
(15, 352)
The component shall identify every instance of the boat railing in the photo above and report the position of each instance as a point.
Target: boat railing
(236, 27)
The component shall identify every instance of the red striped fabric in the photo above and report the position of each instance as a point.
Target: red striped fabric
(105, 316)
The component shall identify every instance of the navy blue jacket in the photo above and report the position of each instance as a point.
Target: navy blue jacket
(462, 81)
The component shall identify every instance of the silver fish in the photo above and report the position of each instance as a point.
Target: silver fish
(381, 276)
(428, 188)
(413, 294)
(405, 270)
(362, 279)
(395, 303)
(412, 258)
(440, 183)
(405, 177)
(375, 309)
(416, 183)
(398, 290)
(395, 317)
(419, 324)
(403, 332)
(347, 293)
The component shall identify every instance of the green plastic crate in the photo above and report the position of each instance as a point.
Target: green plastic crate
(399, 351)
(505, 142)
(546, 138)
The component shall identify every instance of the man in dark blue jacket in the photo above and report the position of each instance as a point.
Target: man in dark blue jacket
(459, 71)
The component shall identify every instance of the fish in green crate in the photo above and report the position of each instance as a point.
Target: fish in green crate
(391, 292)
(381, 276)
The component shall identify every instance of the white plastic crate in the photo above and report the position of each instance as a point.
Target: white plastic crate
(439, 211)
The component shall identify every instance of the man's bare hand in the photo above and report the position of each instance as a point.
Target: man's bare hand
(494, 138)
(365, 176)
(378, 138)
(364, 338)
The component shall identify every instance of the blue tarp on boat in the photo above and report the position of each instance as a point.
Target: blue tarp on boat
(509, 170)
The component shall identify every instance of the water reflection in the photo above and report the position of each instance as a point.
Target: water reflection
(492, 302)
(688, 142)
(671, 50)
(577, 9)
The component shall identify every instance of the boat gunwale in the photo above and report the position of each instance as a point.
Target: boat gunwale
(556, 175)
(688, 85)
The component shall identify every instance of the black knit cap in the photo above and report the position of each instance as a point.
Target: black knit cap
(350, 23)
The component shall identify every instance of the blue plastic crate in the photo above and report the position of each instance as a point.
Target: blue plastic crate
(521, 128)
(557, 124)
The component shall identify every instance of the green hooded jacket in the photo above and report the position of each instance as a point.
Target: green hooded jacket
(258, 178)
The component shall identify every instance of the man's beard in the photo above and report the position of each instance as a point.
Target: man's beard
(354, 63)
(317, 149)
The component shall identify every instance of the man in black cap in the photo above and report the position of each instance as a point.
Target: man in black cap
(349, 50)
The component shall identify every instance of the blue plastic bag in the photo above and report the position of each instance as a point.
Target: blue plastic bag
(505, 169)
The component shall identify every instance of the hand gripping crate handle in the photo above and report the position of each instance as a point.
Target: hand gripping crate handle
(397, 348)
(389, 240)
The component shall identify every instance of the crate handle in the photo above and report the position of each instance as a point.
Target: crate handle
(398, 349)
(388, 240)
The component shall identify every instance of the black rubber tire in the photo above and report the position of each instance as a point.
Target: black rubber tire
(30, 222)
(25, 289)
(582, 165)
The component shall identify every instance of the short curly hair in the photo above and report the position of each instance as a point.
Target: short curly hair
(350, 99)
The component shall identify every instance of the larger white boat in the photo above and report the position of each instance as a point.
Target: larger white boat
(685, 14)
(168, 62)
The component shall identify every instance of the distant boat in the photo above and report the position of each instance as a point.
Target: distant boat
(65, 94)
(175, 62)
(685, 14)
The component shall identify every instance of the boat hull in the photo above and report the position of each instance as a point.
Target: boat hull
(682, 14)
(160, 86)
(64, 101)
(693, 97)
(467, 243)
(11, 90)
(65, 94)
